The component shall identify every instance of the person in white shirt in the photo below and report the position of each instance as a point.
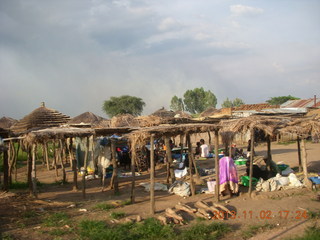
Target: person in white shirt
(204, 149)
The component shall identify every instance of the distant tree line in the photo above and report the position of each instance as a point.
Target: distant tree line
(193, 101)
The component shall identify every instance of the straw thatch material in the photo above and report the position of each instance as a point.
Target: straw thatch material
(55, 133)
(181, 114)
(105, 123)
(40, 118)
(124, 120)
(209, 112)
(163, 113)
(7, 122)
(149, 121)
(303, 126)
(242, 125)
(86, 118)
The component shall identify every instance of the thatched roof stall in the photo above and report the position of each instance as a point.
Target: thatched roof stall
(40, 118)
(124, 120)
(303, 127)
(163, 113)
(268, 125)
(7, 122)
(87, 118)
(140, 137)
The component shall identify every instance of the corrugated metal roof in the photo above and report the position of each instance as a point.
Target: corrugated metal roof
(257, 107)
(301, 103)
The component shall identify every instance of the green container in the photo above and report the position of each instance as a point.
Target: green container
(240, 161)
(282, 166)
(245, 181)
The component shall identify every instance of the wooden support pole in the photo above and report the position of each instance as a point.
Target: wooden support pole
(268, 163)
(181, 147)
(251, 161)
(169, 158)
(46, 154)
(210, 141)
(61, 156)
(299, 154)
(85, 169)
(216, 165)
(306, 181)
(152, 169)
(114, 180)
(230, 149)
(193, 190)
(55, 159)
(133, 173)
(73, 166)
(5, 170)
(33, 173)
(29, 170)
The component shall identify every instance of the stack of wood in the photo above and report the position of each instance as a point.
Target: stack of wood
(201, 209)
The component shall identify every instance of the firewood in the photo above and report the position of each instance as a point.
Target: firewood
(223, 208)
(185, 208)
(200, 215)
(205, 213)
(163, 219)
(171, 213)
(201, 204)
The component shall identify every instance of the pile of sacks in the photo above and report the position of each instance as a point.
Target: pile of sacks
(278, 182)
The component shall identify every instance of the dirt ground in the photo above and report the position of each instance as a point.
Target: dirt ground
(260, 209)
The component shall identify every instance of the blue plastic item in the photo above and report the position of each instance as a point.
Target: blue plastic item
(315, 180)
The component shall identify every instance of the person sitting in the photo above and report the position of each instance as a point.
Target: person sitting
(204, 149)
(198, 149)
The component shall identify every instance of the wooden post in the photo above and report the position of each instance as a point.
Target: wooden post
(152, 168)
(85, 169)
(169, 158)
(33, 173)
(210, 141)
(299, 154)
(61, 156)
(268, 163)
(114, 180)
(73, 166)
(46, 154)
(216, 163)
(55, 159)
(181, 147)
(29, 171)
(193, 190)
(133, 173)
(251, 161)
(5, 170)
(230, 149)
(306, 181)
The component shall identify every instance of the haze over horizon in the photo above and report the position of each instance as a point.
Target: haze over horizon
(73, 55)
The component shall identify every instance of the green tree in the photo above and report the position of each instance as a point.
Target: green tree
(198, 100)
(237, 102)
(123, 104)
(176, 104)
(281, 99)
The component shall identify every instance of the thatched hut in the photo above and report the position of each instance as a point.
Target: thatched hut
(182, 114)
(7, 122)
(124, 120)
(40, 118)
(87, 118)
(163, 113)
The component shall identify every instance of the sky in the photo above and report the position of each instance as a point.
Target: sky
(75, 54)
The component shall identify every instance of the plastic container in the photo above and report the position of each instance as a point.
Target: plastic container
(315, 180)
(245, 181)
(282, 166)
(240, 161)
(211, 186)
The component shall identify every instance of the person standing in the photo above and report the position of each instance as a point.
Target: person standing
(204, 149)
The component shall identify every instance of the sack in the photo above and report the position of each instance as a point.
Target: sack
(180, 188)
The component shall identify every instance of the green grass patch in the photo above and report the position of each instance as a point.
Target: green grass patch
(29, 214)
(59, 232)
(287, 142)
(202, 231)
(252, 230)
(56, 220)
(104, 206)
(313, 214)
(311, 233)
(117, 215)
(22, 185)
(125, 202)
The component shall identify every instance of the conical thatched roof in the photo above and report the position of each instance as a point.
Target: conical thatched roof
(86, 118)
(40, 118)
(163, 113)
(7, 122)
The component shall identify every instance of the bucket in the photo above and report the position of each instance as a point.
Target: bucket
(211, 186)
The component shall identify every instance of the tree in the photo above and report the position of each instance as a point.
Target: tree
(281, 99)
(198, 100)
(237, 102)
(123, 104)
(176, 104)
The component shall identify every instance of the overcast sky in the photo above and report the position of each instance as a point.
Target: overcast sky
(75, 54)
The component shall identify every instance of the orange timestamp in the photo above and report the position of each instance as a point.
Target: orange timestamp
(263, 214)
